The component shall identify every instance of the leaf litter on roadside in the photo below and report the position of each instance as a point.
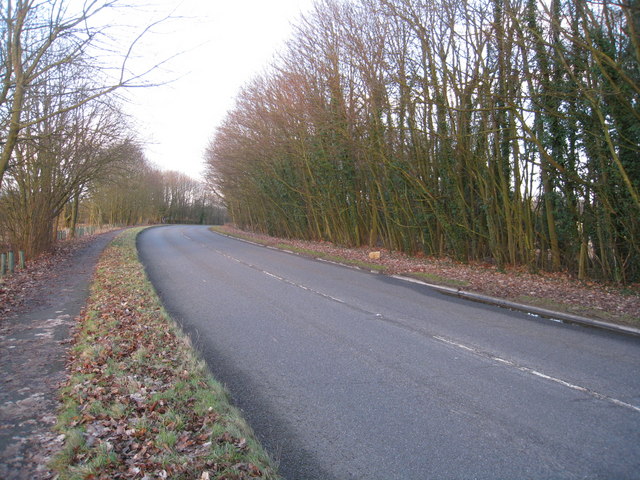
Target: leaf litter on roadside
(550, 290)
(139, 404)
(25, 287)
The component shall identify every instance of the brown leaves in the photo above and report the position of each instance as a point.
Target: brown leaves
(29, 287)
(239, 443)
(139, 397)
(546, 289)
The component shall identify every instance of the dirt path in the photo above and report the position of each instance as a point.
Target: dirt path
(33, 342)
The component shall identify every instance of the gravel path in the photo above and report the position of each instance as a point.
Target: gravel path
(33, 343)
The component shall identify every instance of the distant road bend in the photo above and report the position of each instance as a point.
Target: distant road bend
(349, 375)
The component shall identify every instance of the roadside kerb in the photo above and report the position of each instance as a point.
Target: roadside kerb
(477, 297)
(542, 312)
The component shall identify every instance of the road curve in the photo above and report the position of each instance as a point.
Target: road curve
(349, 375)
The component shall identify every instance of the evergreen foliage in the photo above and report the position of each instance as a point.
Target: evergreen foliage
(501, 130)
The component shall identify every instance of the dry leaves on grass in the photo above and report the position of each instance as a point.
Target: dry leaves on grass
(553, 290)
(138, 404)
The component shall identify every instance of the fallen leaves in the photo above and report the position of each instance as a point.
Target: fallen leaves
(548, 290)
(28, 286)
(138, 402)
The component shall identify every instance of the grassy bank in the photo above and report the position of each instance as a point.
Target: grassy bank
(139, 402)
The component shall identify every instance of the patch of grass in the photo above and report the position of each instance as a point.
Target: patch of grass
(118, 411)
(300, 250)
(167, 438)
(74, 444)
(96, 408)
(220, 229)
(358, 263)
(102, 460)
(67, 415)
(139, 402)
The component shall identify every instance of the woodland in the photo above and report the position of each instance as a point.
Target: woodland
(68, 152)
(501, 131)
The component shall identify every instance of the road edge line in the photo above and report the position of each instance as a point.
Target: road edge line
(475, 297)
(541, 312)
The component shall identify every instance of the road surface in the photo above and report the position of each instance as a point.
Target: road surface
(345, 374)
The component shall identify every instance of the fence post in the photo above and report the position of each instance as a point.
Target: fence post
(12, 263)
(3, 264)
(22, 262)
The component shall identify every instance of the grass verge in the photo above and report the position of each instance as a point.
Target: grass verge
(550, 304)
(222, 230)
(139, 402)
(332, 258)
(307, 252)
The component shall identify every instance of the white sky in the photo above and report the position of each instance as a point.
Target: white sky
(225, 43)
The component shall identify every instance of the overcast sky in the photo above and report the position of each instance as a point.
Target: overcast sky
(224, 44)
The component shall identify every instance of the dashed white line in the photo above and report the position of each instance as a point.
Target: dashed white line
(538, 374)
(279, 278)
(461, 346)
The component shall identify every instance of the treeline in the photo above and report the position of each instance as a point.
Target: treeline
(146, 195)
(501, 130)
(114, 185)
(51, 190)
(67, 152)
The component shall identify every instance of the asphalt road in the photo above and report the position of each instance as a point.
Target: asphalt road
(345, 374)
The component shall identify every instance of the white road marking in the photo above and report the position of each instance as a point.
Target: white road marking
(278, 277)
(538, 374)
(461, 346)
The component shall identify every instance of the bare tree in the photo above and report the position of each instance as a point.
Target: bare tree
(57, 158)
(39, 38)
(494, 130)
